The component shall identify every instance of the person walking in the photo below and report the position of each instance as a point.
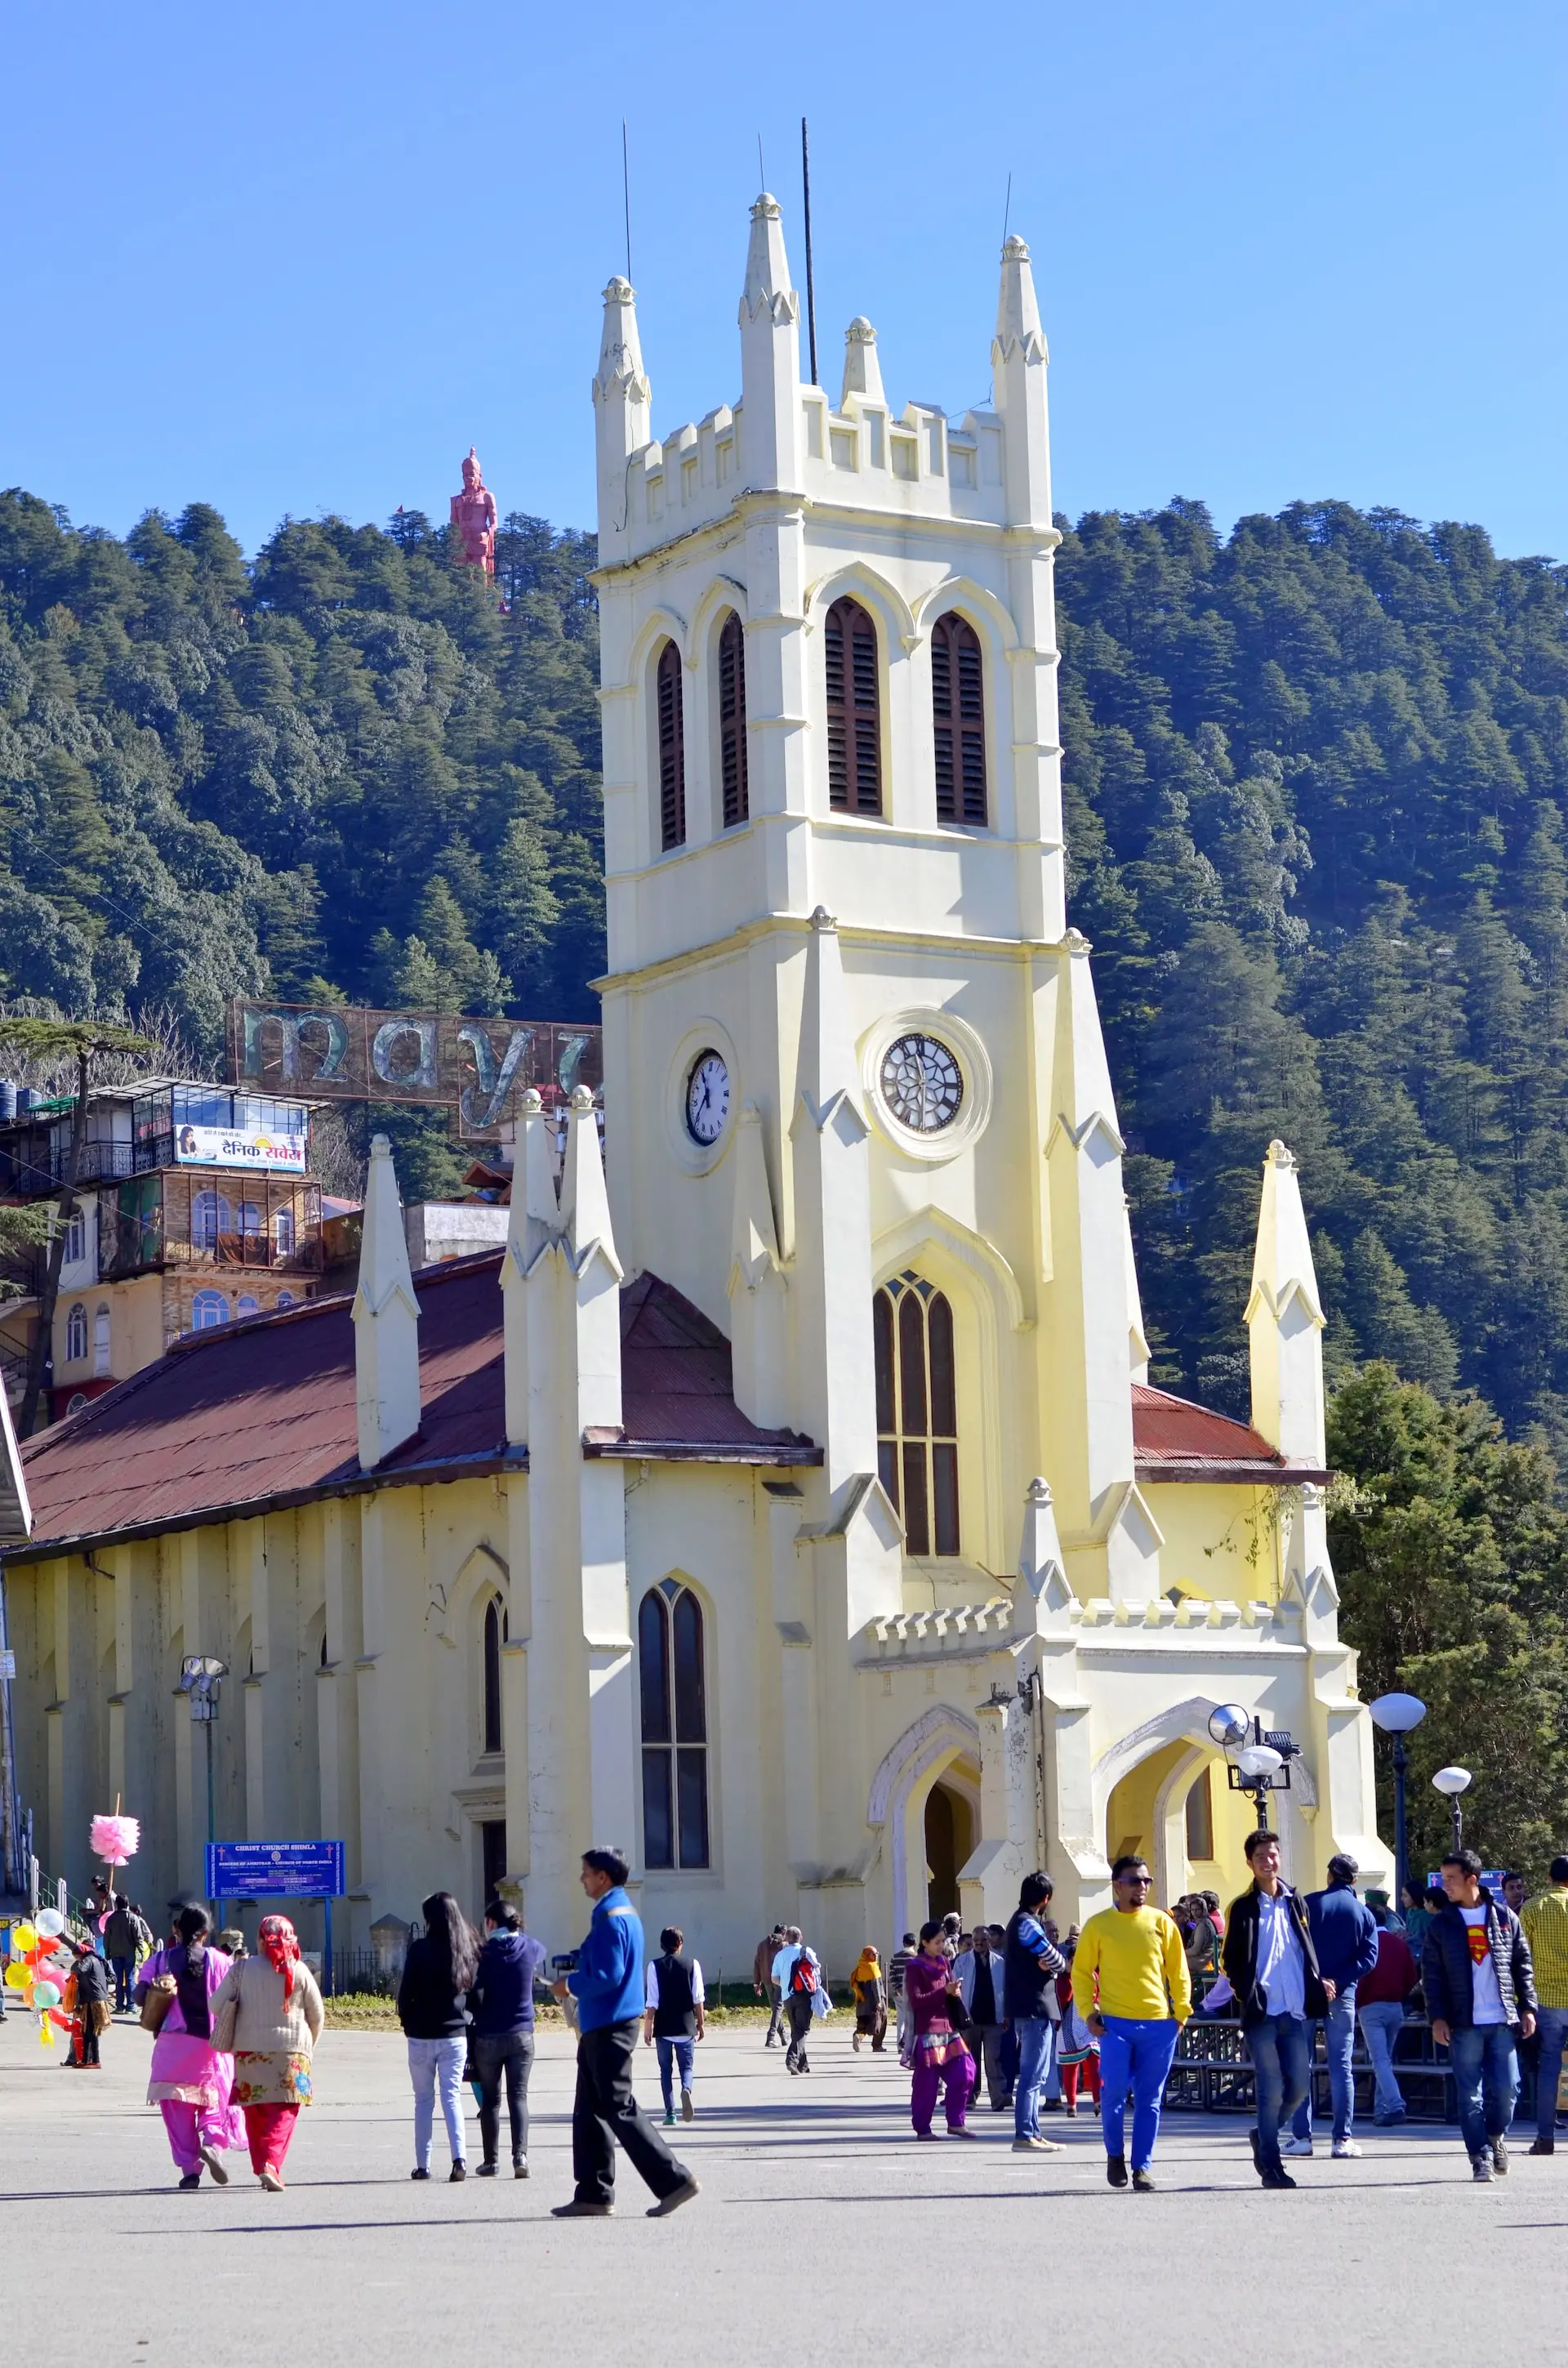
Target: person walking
(1031, 1964)
(89, 2003)
(676, 2018)
(1345, 1934)
(798, 1972)
(981, 1973)
(1480, 1986)
(898, 1966)
(941, 2059)
(501, 2035)
(870, 1995)
(1131, 1986)
(1270, 1962)
(1381, 1997)
(439, 1970)
(610, 1991)
(189, 2080)
(267, 2015)
(762, 1983)
(126, 1939)
(1545, 1920)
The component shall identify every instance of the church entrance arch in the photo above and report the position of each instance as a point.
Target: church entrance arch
(940, 1751)
(949, 1840)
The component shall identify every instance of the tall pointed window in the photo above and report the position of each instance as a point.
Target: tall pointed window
(732, 721)
(493, 1737)
(672, 749)
(918, 1446)
(674, 1727)
(853, 711)
(957, 715)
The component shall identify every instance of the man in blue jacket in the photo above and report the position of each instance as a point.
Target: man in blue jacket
(1345, 1934)
(608, 1987)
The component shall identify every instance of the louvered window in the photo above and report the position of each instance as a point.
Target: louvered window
(918, 1450)
(854, 714)
(672, 750)
(957, 709)
(732, 720)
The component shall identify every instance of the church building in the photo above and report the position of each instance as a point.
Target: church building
(786, 1501)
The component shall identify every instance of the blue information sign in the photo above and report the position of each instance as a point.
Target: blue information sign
(275, 1870)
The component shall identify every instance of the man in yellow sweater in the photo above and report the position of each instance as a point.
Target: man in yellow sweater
(1132, 1988)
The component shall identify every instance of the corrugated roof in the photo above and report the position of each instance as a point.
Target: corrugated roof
(260, 1413)
(1174, 1440)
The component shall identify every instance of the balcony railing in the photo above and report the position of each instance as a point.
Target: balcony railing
(188, 1218)
(41, 1170)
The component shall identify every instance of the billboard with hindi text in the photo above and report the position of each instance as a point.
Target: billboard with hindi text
(477, 1068)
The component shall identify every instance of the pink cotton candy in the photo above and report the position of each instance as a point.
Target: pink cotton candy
(114, 1840)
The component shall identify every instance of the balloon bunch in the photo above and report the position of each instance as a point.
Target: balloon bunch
(31, 1969)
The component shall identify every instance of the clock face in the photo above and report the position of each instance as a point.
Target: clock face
(922, 1083)
(706, 1099)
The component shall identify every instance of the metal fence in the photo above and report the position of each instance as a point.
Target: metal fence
(1211, 2073)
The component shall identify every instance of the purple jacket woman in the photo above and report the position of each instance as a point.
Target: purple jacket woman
(190, 2081)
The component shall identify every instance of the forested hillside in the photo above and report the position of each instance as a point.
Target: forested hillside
(1317, 788)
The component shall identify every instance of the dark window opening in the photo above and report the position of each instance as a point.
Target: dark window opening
(918, 1450)
(853, 711)
(674, 1697)
(958, 705)
(672, 749)
(732, 721)
(493, 1732)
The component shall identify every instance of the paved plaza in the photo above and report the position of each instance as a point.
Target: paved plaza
(824, 2234)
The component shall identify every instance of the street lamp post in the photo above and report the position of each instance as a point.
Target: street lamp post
(1451, 1782)
(202, 1677)
(1259, 1768)
(1399, 1715)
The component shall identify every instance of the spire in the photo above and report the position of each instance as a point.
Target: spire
(1019, 359)
(759, 1350)
(1284, 1319)
(621, 399)
(771, 359)
(862, 369)
(386, 1320)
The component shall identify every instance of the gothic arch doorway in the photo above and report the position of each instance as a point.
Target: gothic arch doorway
(949, 1838)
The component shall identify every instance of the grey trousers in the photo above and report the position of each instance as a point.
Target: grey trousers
(985, 2046)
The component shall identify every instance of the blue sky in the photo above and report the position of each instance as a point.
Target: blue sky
(299, 258)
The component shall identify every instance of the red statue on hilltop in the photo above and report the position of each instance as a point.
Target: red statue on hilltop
(473, 515)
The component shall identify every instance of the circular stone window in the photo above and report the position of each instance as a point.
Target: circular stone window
(921, 1083)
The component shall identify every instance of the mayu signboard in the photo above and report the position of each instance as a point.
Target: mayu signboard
(343, 1053)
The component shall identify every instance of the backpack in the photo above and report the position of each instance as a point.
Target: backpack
(802, 1976)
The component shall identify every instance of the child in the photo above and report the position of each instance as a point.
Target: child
(1076, 2050)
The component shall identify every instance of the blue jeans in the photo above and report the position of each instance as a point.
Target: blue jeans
(1135, 2058)
(1551, 2028)
(1338, 2028)
(432, 2063)
(1034, 2062)
(671, 2052)
(1381, 2023)
(1277, 2047)
(1486, 2077)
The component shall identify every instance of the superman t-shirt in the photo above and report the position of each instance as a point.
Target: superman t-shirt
(1487, 1998)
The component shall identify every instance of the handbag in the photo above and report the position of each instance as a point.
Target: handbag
(156, 2000)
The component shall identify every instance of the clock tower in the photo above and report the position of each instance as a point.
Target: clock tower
(855, 1093)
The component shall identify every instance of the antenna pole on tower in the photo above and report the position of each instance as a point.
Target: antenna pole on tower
(811, 286)
(1007, 209)
(626, 193)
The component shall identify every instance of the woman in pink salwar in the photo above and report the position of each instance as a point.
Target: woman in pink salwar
(190, 2082)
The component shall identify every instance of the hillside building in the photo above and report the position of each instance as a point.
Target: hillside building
(786, 1499)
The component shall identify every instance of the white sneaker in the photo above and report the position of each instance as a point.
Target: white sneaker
(1295, 2145)
(1347, 2150)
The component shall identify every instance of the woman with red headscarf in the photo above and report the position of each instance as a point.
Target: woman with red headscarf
(269, 2015)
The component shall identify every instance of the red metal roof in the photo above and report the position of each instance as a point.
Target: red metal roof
(260, 1413)
(1174, 1439)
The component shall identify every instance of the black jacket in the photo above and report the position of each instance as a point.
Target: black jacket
(1239, 1955)
(1446, 1972)
(426, 2007)
(92, 1978)
(503, 1993)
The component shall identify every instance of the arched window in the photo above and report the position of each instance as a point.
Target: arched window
(76, 1236)
(208, 1308)
(249, 1305)
(674, 1727)
(493, 1639)
(211, 1214)
(958, 712)
(101, 1340)
(732, 721)
(76, 1401)
(672, 749)
(917, 1448)
(75, 1334)
(854, 711)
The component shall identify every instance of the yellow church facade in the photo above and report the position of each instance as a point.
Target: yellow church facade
(787, 1502)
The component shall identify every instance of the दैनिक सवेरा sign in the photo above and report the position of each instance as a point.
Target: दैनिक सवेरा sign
(275, 1870)
(343, 1053)
(228, 1146)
